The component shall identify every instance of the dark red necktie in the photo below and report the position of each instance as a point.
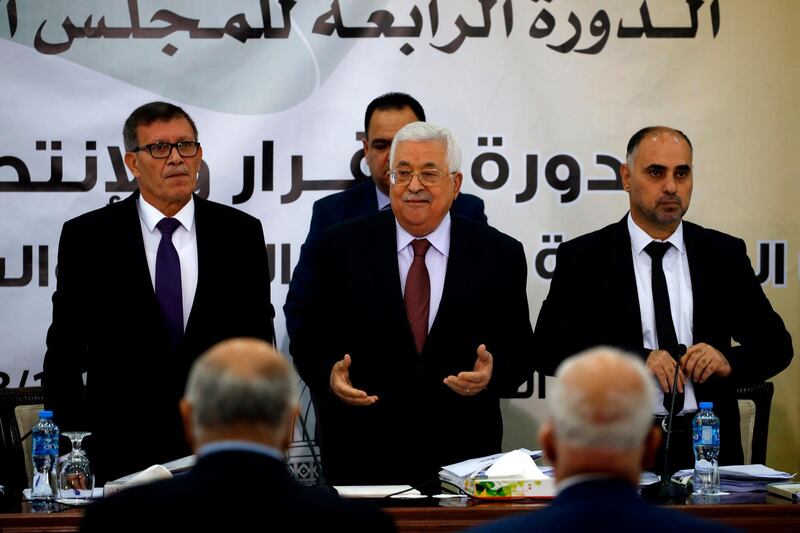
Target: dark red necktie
(418, 293)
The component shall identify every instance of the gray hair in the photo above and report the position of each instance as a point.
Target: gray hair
(618, 418)
(221, 397)
(425, 131)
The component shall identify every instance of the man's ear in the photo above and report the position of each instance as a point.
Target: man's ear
(651, 444)
(625, 173)
(291, 419)
(547, 440)
(186, 416)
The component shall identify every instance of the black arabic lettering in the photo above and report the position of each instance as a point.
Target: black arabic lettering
(358, 157)
(606, 184)
(277, 33)
(249, 173)
(570, 43)
(11, 11)
(772, 266)
(121, 183)
(571, 184)
(299, 184)
(490, 157)
(55, 183)
(651, 32)
(531, 178)
(465, 30)
(44, 271)
(599, 27)
(543, 25)
(382, 19)
(508, 17)
(23, 174)
(27, 269)
(433, 12)
(545, 268)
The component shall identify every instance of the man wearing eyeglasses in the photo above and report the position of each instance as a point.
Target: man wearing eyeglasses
(384, 116)
(419, 322)
(145, 286)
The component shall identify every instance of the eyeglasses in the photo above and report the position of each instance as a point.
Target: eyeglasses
(428, 176)
(164, 150)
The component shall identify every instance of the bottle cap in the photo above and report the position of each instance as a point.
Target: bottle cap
(706, 405)
(45, 414)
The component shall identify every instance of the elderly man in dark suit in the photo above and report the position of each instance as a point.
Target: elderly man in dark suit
(383, 117)
(238, 412)
(144, 287)
(598, 436)
(652, 282)
(418, 324)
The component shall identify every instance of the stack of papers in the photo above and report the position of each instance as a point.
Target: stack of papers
(502, 475)
(741, 478)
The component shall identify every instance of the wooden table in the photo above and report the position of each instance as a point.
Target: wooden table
(770, 514)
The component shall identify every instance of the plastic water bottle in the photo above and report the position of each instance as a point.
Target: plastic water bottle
(44, 450)
(705, 439)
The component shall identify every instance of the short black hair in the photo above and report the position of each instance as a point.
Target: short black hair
(633, 143)
(147, 114)
(396, 101)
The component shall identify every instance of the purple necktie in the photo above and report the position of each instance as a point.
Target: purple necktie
(418, 293)
(168, 280)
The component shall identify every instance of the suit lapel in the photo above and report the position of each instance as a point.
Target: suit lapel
(697, 256)
(622, 283)
(455, 278)
(383, 254)
(127, 237)
(207, 243)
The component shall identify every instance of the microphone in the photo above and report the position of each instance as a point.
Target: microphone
(666, 489)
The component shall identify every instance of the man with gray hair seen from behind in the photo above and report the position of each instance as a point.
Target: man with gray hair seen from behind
(238, 414)
(599, 436)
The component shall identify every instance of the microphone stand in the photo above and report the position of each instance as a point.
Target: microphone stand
(666, 489)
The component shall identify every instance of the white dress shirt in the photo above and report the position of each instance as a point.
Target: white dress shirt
(679, 287)
(435, 260)
(185, 241)
(383, 199)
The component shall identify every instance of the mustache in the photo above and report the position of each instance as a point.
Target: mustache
(670, 198)
(176, 171)
(419, 196)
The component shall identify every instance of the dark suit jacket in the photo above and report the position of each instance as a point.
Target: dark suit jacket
(107, 323)
(231, 491)
(593, 301)
(602, 505)
(357, 201)
(418, 423)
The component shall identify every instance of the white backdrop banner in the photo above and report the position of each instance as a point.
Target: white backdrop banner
(542, 96)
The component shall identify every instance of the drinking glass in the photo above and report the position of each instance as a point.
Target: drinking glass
(75, 480)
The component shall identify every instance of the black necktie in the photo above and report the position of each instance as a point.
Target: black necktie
(665, 329)
(168, 280)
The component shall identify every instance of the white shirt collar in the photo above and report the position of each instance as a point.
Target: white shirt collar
(640, 238)
(439, 238)
(383, 198)
(152, 216)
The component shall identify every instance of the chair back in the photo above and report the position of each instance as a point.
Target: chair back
(754, 407)
(27, 416)
(13, 463)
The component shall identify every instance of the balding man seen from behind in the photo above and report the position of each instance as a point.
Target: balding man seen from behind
(238, 413)
(598, 437)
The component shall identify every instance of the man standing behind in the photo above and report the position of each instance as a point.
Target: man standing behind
(144, 287)
(652, 282)
(598, 436)
(384, 116)
(238, 412)
(418, 324)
